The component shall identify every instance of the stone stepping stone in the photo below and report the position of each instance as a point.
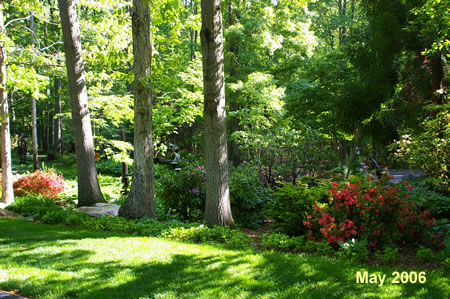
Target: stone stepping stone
(100, 209)
(6, 295)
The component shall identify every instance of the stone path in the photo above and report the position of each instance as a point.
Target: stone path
(6, 295)
(402, 174)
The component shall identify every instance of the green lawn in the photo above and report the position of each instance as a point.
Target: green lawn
(56, 261)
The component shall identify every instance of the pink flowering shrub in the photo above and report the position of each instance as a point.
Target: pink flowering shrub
(48, 184)
(369, 210)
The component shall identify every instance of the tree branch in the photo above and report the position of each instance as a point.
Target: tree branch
(16, 20)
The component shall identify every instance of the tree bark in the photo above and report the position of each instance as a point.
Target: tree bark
(5, 138)
(140, 201)
(58, 121)
(437, 78)
(11, 105)
(46, 127)
(89, 191)
(34, 134)
(218, 209)
(234, 121)
(33, 109)
(125, 178)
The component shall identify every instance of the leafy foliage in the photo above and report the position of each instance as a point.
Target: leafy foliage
(292, 204)
(183, 194)
(428, 150)
(249, 196)
(34, 205)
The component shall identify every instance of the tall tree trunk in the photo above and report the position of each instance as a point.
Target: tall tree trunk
(218, 209)
(234, 121)
(33, 109)
(140, 202)
(50, 131)
(11, 105)
(89, 191)
(34, 134)
(125, 178)
(342, 4)
(46, 128)
(58, 121)
(5, 138)
(437, 78)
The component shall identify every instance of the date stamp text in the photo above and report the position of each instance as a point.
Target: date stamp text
(395, 278)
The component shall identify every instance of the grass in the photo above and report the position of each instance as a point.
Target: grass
(44, 261)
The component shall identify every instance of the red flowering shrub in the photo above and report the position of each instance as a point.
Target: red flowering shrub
(368, 210)
(48, 184)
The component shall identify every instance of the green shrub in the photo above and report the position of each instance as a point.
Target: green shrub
(428, 150)
(109, 167)
(183, 194)
(282, 242)
(76, 218)
(426, 198)
(323, 248)
(354, 250)
(291, 205)
(55, 216)
(390, 255)
(248, 196)
(446, 264)
(34, 205)
(238, 240)
(425, 254)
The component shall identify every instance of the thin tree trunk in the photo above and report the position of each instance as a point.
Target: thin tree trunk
(58, 121)
(33, 109)
(5, 138)
(234, 121)
(342, 4)
(218, 209)
(50, 131)
(140, 201)
(125, 178)
(11, 105)
(89, 191)
(34, 134)
(437, 78)
(46, 120)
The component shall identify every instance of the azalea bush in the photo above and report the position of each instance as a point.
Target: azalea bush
(183, 193)
(46, 183)
(371, 210)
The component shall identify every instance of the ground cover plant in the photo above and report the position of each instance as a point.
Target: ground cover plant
(57, 261)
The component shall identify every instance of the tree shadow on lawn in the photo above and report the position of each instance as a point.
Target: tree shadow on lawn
(211, 272)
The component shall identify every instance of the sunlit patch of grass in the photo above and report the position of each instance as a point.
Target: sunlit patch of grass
(55, 261)
(111, 186)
